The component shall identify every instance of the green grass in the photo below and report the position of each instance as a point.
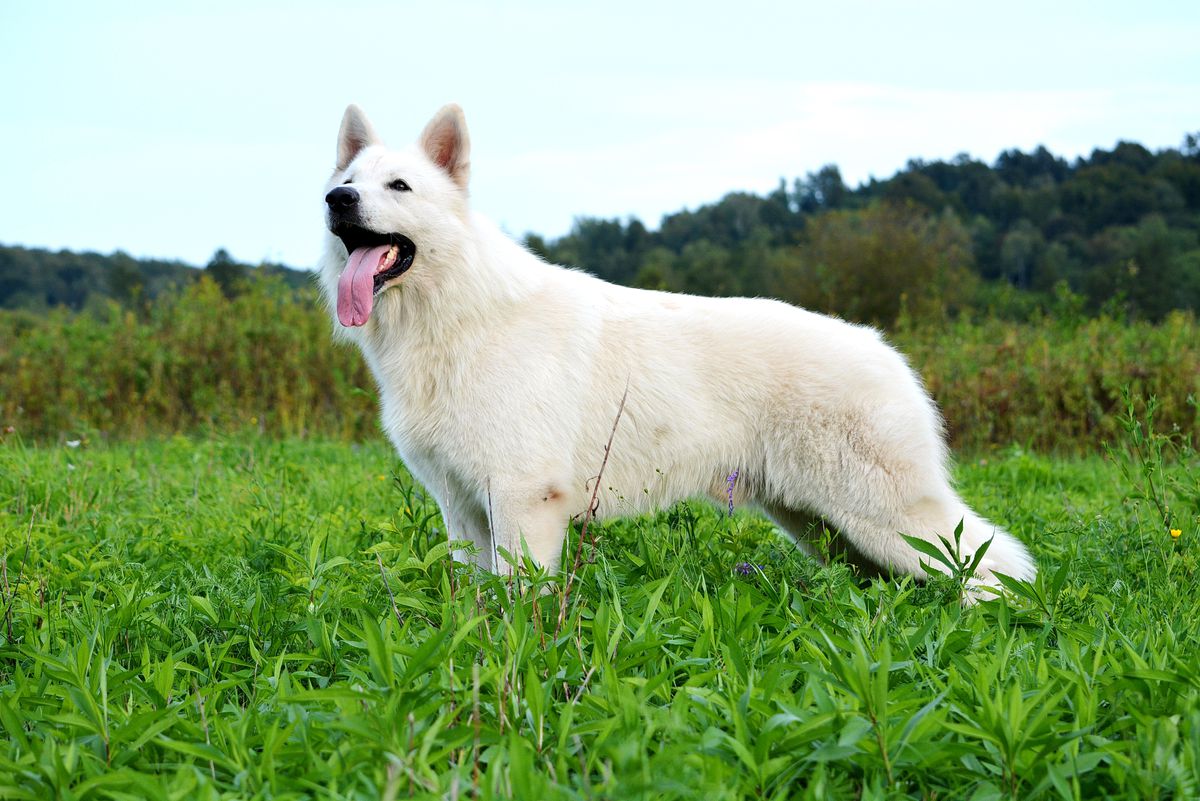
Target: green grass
(209, 619)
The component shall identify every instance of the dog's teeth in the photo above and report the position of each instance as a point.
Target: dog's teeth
(389, 258)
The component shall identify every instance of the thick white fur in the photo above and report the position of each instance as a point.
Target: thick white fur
(500, 377)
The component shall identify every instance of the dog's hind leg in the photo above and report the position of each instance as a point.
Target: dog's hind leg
(809, 532)
(876, 474)
(875, 529)
(875, 508)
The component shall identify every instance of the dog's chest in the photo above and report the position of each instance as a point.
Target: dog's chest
(433, 434)
(422, 398)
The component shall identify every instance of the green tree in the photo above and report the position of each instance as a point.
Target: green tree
(1019, 252)
(1150, 266)
(226, 273)
(871, 264)
(823, 190)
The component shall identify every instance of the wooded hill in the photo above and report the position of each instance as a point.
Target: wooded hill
(1119, 229)
(32, 278)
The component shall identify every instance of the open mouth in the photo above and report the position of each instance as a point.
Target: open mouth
(400, 258)
(375, 260)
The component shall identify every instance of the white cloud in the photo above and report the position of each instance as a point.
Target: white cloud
(746, 137)
(135, 127)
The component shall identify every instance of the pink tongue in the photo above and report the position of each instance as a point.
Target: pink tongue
(356, 287)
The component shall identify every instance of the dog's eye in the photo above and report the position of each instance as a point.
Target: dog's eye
(399, 186)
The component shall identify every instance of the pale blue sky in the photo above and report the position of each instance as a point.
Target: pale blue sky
(172, 129)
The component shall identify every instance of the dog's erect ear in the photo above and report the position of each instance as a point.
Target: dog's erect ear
(446, 143)
(356, 133)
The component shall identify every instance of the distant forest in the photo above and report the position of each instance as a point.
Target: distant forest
(1118, 231)
(32, 278)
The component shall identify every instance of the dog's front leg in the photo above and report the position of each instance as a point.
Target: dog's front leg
(532, 519)
(466, 520)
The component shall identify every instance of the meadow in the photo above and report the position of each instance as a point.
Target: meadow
(216, 581)
(242, 616)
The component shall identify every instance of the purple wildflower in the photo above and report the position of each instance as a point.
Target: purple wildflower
(744, 569)
(730, 480)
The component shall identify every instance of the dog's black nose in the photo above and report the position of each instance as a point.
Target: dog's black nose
(342, 198)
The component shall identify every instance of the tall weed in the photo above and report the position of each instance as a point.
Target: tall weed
(194, 360)
(1055, 385)
(197, 361)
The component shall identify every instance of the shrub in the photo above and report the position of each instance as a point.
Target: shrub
(196, 360)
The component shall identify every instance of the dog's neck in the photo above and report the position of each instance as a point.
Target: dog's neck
(463, 289)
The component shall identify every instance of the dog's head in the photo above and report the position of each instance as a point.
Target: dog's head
(390, 211)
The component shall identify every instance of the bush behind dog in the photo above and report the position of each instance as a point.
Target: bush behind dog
(196, 360)
(193, 360)
(1055, 385)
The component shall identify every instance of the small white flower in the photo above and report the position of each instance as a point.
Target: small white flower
(70, 466)
(73, 443)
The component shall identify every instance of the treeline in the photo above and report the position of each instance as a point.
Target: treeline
(38, 279)
(1117, 232)
(1120, 228)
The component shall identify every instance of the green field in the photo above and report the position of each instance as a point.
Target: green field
(244, 617)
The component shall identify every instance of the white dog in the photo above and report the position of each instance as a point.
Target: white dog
(500, 377)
